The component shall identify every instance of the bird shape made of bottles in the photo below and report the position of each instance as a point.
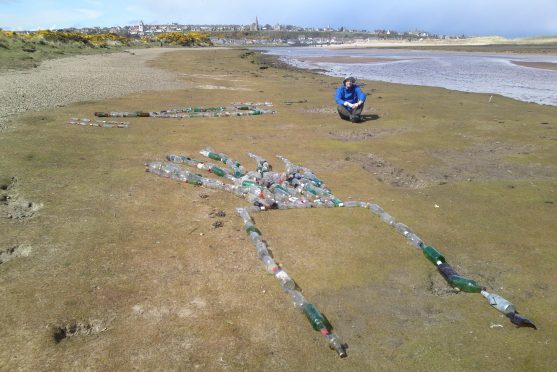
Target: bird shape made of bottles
(298, 187)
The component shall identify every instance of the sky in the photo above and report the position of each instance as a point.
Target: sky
(508, 18)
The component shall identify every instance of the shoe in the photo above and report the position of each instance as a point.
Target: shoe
(355, 118)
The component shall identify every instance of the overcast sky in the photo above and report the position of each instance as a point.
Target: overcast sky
(510, 18)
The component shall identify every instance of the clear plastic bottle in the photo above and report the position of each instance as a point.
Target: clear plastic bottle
(388, 219)
(415, 240)
(499, 302)
(270, 264)
(336, 344)
(284, 279)
(244, 214)
(298, 298)
(374, 208)
(402, 228)
(261, 249)
(351, 204)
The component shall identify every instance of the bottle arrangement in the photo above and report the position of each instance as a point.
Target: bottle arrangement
(237, 109)
(298, 187)
(99, 123)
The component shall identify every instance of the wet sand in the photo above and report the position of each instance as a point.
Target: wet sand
(542, 65)
(348, 59)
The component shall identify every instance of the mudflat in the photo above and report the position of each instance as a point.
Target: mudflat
(348, 59)
(105, 266)
(542, 65)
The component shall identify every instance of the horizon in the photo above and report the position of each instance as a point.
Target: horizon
(510, 19)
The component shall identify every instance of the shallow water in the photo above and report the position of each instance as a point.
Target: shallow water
(463, 71)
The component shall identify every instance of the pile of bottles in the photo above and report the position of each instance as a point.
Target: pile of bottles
(99, 123)
(237, 109)
(298, 187)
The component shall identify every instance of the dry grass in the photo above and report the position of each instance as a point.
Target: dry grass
(136, 256)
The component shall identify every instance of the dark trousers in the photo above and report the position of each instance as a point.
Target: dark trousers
(345, 114)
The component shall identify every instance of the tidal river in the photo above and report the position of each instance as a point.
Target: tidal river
(510, 75)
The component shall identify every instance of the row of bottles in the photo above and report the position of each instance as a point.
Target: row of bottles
(238, 109)
(99, 123)
(314, 316)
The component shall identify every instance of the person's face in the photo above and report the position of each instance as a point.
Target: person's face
(348, 84)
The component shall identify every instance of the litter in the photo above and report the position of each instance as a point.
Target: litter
(237, 109)
(99, 123)
(298, 187)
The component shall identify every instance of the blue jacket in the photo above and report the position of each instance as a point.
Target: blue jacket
(352, 95)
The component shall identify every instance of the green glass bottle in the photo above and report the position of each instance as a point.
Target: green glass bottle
(248, 183)
(310, 189)
(464, 284)
(194, 180)
(214, 156)
(337, 202)
(433, 255)
(251, 228)
(315, 318)
(218, 171)
(316, 181)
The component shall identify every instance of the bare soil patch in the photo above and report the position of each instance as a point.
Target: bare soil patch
(9, 254)
(362, 135)
(488, 161)
(12, 205)
(387, 172)
(70, 329)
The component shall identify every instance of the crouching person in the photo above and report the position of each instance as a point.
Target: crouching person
(350, 100)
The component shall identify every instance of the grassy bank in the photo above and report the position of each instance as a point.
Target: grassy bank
(133, 262)
(20, 51)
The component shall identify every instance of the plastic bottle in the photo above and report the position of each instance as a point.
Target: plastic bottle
(520, 321)
(387, 218)
(284, 279)
(499, 302)
(433, 255)
(154, 167)
(415, 240)
(244, 214)
(337, 202)
(336, 344)
(270, 264)
(402, 228)
(213, 184)
(194, 179)
(457, 281)
(315, 318)
(218, 171)
(261, 249)
(374, 208)
(351, 204)
(298, 298)
(248, 183)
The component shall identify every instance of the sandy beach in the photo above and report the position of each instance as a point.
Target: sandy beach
(106, 267)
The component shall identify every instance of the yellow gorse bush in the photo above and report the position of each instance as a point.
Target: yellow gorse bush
(184, 39)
